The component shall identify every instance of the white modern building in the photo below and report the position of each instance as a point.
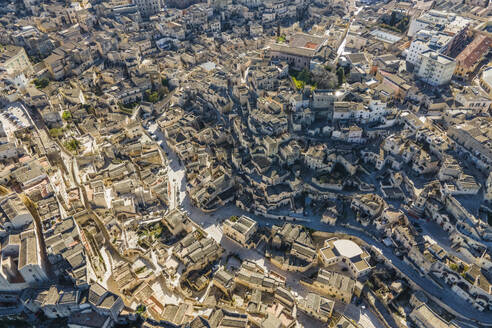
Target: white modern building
(435, 68)
(442, 24)
(427, 40)
(347, 253)
(434, 19)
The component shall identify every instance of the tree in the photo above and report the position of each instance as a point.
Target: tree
(330, 67)
(66, 116)
(323, 78)
(152, 96)
(41, 83)
(73, 145)
(304, 76)
(299, 84)
(56, 132)
(341, 75)
(141, 309)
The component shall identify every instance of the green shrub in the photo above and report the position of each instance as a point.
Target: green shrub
(72, 145)
(56, 132)
(141, 309)
(281, 39)
(41, 83)
(66, 116)
(152, 96)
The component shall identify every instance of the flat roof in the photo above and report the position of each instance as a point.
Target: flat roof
(487, 75)
(385, 36)
(296, 51)
(440, 58)
(361, 265)
(347, 248)
(328, 252)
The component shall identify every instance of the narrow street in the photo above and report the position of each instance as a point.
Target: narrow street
(176, 171)
(341, 48)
